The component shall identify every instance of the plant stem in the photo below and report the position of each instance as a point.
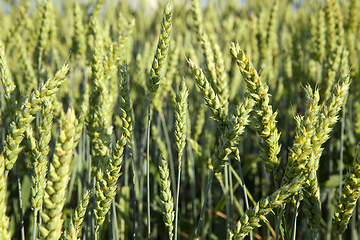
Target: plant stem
(115, 222)
(293, 227)
(244, 189)
(280, 212)
(20, 202)
(34, 224)
(177, 199)
(231, 197)
(226, 192)
(147, 169)
(134, 193)
(341, 164)
(203, 207)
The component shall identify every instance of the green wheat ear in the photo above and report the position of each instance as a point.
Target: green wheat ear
(39, 152)
(58, 178)
(7, 81)
(266, 118)
(75, 225)
(350, 195)
(166, 197)
(161, 52)
(29, 107)
(106, 183)
(180, 122)
(254, 215)
(212, 99)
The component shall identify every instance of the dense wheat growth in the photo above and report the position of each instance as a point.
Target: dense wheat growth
(179, 120)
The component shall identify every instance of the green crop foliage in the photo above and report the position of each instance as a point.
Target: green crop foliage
(186, 119)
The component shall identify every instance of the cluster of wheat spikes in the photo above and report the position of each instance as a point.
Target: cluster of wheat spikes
(181, 120)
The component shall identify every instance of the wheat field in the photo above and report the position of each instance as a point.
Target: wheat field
(180, 120)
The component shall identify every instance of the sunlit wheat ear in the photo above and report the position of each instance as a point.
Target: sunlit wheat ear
(106, 184)
(200, 121)
(180, 122)
(29, 107)
(125, 104)
(94, 15)
(198, 21)
(43, 37)
(100, 130)
(120, 45)
(335, 45)
(39, 152)
(99, 126)
(211, 98)
(312, 203)
(320, 134)
(22, 21)
(222, 81)
(266, 118)
(58, 178)
(79, 38)
(128, 126)
(299, 154)
(166, 197)
(180, 136)
(329, 117)
(75, 225)
(161, 52)
(252, 217)
(7, 81)
(350, 196)
(230, 137)
(209, 60)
